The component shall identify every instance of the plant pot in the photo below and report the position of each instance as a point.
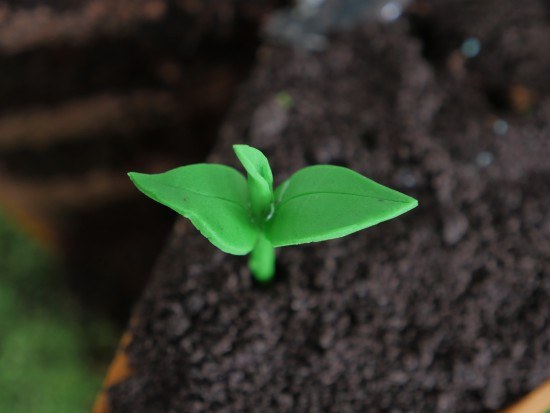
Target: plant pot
(444, 309)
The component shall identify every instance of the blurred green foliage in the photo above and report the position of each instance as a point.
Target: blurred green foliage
(46, 344)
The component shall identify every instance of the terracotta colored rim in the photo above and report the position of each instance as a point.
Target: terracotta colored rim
(118, 371)
(538, 401)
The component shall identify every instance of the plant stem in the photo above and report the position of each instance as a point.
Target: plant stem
(262, 259)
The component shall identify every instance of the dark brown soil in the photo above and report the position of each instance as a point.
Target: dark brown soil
(442, 310)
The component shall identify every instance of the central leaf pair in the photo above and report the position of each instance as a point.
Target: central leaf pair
(238, 216)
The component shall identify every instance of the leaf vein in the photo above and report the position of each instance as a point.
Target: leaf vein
(207, 196)
(337, 193)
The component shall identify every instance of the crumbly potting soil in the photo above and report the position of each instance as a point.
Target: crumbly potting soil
(442, 310)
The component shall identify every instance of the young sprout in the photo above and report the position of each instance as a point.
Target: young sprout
(241, 216)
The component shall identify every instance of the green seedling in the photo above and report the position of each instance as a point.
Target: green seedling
(241, 216)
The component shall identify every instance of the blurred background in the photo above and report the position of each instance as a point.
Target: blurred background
(90, 89)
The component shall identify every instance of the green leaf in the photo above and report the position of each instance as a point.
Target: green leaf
(324, 202)
(214, 197)
(260, 181)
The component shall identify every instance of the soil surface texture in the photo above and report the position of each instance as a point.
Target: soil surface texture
(442, 310)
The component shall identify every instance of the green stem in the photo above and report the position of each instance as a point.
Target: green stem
(261, 198)
(262, 259)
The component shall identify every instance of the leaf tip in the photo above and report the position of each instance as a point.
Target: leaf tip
(239, 147)
(138, 180)
(135, 177)
(409, 203)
